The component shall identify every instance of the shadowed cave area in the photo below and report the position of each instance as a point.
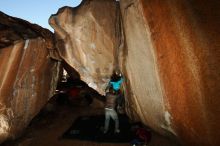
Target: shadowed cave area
(53, 85)
(72, 100)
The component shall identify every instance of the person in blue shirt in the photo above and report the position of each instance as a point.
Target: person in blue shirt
(115, 83)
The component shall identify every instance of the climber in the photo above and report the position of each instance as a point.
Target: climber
(110, 112)
(115, 83)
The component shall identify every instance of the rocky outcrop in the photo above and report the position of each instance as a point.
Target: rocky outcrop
(28, 75)
(172, 66)
(170, 59)
(86, 40)
(144, 91)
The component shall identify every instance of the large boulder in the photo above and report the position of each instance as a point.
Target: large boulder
(168, 52)
(171, 65)
(28, 75)
(86, 39)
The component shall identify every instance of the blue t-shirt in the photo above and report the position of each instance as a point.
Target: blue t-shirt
(116, 85)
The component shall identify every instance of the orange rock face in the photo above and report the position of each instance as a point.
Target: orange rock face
(28, 75)
(177, 75)
(144, 92)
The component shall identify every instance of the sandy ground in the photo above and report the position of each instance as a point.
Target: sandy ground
(47, 128)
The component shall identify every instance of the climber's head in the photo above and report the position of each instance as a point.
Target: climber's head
(116, 76)
(117, 72)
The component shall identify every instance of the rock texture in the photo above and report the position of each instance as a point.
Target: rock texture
(170, 59)
(144, 92)
(28, 75)
(86, 39)
(175, 85)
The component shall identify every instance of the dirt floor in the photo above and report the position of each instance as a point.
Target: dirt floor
(47, 128)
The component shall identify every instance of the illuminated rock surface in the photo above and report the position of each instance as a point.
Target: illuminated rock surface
(168, 52)
(28, 75)
(85, 40)
(170, 60)
(172, 66)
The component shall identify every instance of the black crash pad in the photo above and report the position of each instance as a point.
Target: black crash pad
(91, 128)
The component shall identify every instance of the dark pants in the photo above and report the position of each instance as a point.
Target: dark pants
(120, 99)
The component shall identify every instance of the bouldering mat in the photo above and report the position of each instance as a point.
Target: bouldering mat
(91, 128)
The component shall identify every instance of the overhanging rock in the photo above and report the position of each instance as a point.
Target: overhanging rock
(85, 40)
